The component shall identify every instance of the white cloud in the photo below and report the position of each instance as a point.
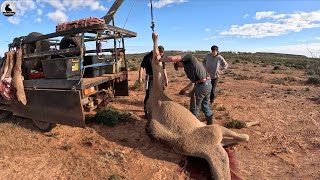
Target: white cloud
(66, 5)
(317, 38)
(269, 14)
(57, 4)
(300, 49)
(22, 7)
(163, 3)
(2, 53)
(38, 20)
(265, 14)
(61, 8)
(14, 20)
(39, 12)
(212, 37)
(279, 24)
(208, 30)
(245, 16)
(58, 16)
(76, 4)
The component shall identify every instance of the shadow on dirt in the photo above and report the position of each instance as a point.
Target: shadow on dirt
(128, 102)
(132, 134)
(20, 121)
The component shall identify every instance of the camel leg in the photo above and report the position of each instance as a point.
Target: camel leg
(6, 65)
(226, 141)
(3, 64)
(204, 142)
(10, 66)
(159, 132)
(218, 160)
(228, 133)
(18, 78)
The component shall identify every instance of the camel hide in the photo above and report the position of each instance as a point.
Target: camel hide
(18, 78)
(175, 125)
(6, 89)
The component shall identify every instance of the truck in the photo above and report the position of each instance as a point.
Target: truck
(69, 73)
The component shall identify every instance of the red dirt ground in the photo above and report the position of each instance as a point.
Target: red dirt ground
(286, 144)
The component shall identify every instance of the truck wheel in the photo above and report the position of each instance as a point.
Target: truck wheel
(70, 42)
(38, 46)
(44, 126)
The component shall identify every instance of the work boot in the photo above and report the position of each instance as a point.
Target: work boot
(210, 119)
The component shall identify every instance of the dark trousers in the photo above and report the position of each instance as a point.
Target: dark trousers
(214, 83)
(148, 91)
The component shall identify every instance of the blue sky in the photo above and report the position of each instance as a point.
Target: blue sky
(285, 26)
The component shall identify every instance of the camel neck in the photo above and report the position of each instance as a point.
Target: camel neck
(157, 88)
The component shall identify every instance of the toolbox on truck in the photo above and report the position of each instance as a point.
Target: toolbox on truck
(94, 71)
(113, 68)
(62, 68)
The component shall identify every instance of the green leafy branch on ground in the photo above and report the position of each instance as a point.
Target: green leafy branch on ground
(137, 85)
(109, 116)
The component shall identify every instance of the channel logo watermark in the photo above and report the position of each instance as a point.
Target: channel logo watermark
(8, 8)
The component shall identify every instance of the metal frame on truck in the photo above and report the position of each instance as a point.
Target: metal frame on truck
(66, 99)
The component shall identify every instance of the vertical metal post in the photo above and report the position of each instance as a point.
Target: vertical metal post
(115, 43)
(124, 55)
(82, 53)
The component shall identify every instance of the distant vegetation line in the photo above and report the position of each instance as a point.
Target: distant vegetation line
(310, 65)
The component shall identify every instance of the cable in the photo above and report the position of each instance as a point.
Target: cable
(129, 13)
(152, 22)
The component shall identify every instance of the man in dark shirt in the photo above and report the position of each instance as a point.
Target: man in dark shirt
(146, 65)
(199, 77)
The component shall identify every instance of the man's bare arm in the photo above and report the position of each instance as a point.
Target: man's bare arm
(165, 77)
(185, 89)
(140, 74)
(171, 59)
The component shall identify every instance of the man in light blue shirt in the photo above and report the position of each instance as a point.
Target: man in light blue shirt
(214, 64)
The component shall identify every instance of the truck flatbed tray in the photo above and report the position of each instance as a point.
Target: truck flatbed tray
(89, 82)
(73, 84)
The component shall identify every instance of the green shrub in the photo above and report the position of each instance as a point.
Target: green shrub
(132, 67)
(313, 80)
(137, 85)
(276, 68)
(235, 124)
(289, 79)
(241, 77)
(110, 116)
(116, 177)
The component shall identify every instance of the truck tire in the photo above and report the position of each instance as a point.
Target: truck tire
(44, 126)
(38, 46)
(70, 42)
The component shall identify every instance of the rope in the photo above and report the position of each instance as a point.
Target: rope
(129, 14)
(152, 22)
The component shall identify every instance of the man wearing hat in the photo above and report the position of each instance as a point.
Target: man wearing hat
(199, 77)
(146, 65)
